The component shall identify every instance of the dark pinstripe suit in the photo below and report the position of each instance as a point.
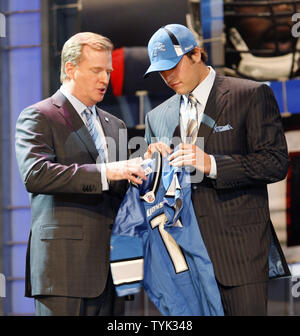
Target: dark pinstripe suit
(232, 211)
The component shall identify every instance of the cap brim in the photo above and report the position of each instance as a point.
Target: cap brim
(162, 65)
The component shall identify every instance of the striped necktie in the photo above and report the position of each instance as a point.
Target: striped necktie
(192, 125)
(94, 133)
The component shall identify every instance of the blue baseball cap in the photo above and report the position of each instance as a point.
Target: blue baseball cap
(167, 46)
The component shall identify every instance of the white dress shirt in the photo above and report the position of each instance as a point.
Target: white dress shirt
(79, 108)
(201, 93)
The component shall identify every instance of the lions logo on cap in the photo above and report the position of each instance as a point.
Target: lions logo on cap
(158, 47)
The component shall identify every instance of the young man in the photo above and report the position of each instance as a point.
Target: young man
(244, 150)
(74, 184)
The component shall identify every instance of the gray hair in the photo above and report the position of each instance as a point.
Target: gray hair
(72, 49)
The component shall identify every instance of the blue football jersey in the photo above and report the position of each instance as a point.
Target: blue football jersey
(156, 243)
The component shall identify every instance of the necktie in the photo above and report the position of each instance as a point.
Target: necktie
(192, 125)
(94, 133)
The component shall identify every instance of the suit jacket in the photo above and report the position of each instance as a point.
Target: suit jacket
(249, 146)
(71, 217)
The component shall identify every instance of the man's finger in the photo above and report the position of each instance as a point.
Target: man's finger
(183, 161)
(180, 152)
(135, 179)
(160, 147)
(183, 145)
(137, 171)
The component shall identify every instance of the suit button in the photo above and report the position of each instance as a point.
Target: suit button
(110, 226)
(194, 187)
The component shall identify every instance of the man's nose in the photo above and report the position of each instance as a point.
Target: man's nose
(167, 74)
(104, 77)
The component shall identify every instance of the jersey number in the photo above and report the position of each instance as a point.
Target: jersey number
(175, 252)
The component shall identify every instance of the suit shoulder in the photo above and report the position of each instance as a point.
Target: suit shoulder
(242, 84)
(40, 105)
(163, 105)
(249, 88)
(44, 107)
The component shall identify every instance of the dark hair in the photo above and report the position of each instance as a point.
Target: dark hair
(204, 56)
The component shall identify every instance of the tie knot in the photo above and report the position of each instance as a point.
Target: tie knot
(193, 100)
(88, 111)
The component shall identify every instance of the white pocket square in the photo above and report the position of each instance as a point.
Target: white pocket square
(227, 127)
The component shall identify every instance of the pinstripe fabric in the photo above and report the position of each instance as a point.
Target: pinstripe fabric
(245, 300)
(232, 211)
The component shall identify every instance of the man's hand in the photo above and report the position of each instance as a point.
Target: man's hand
(130, 170)
(191, 155)
(161, 147)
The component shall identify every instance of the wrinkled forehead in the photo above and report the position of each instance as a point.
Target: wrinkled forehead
(96, 57)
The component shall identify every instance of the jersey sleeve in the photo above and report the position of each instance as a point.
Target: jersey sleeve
(126, 244)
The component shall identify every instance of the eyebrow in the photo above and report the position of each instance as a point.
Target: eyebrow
(101, 68)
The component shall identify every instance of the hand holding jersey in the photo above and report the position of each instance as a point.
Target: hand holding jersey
(156, 242)
(160, 147)
(239, 125)
(186, 155)
(127, 169)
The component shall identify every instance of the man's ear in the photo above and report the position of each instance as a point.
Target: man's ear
(69, 69)
(197, 55)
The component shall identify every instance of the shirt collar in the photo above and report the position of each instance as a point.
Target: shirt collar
(76, 103)
(202, 91)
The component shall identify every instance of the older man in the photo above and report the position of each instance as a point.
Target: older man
(67, 151)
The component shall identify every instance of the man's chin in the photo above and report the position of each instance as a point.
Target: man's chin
(99, 98)
(180, 91)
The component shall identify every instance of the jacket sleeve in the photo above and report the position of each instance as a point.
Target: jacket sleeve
(36, 158)
(266, 160)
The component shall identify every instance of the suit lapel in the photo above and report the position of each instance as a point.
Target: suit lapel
(171, 113)
(108, 131)
(215, 106)
(75, 123)
(105, 122)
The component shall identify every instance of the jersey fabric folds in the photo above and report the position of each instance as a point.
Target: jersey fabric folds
(156, 243)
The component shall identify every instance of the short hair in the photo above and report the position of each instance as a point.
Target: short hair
(204, 56)
(72, 49)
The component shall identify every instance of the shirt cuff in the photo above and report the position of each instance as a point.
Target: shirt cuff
(102, 169)
(213, 168)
